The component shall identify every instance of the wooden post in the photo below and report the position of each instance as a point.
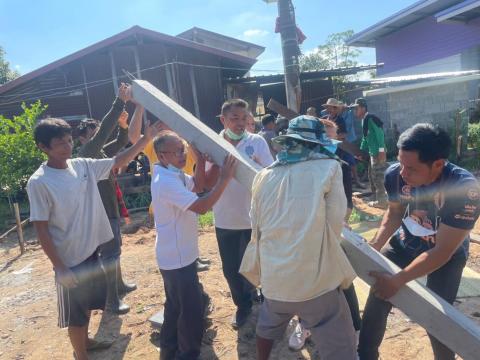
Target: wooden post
(84, 75)
(19, 227)
(441, 319)
(114, 72)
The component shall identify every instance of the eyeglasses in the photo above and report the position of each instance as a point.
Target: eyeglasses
(176, 153)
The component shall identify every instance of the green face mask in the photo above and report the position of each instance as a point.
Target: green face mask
(232, 136)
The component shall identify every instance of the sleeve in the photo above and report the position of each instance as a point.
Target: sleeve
(392, 183)
(174, 193)
(336, 202)
(341, 125)
(39, 200)
(379, 135)
(462, 205)
(264, 154)
(113, 147)
(96, 143)
(100, 167)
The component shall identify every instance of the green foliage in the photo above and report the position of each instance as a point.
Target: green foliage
(6, 74)
(206, 220)
(474, 136)
(334, 53)
(134, 201)
(20, 155)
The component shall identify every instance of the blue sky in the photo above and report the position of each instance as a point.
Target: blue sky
(35, 33)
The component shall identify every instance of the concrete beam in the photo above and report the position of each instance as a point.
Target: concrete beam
(441, 319)
(193, 130)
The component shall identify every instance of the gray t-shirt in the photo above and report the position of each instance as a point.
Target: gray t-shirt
(70, 201)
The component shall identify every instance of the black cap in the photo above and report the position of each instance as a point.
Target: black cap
(360, 102)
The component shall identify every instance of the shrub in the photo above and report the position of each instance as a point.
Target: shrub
(473, 140)
(20, 156)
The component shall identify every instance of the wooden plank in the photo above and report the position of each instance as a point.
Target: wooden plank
(289, 114)
(420, 304)
(192, 129)
(5, 234)
(441, 319)
(19, 227)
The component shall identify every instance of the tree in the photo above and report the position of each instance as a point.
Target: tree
(333, 54)
(20, 155)
(6, 74)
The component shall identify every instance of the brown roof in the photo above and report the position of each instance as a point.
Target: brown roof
(135, 30)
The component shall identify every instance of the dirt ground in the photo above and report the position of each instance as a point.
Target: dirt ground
(28, 310)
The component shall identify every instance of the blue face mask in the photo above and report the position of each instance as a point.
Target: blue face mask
(174, 169)
(232, 136)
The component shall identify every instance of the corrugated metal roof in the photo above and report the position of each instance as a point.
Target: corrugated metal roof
(305, 75)
(135, 30)
(464, 11)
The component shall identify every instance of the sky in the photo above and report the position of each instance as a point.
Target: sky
(36, 32)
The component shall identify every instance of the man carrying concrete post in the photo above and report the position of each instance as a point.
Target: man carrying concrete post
(373, 141)
(94, 136)
(231, 212)
(432, 206)
(298, 207)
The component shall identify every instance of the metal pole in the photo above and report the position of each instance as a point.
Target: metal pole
(290, 50)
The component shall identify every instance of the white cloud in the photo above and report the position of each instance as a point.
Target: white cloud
(17, 67)
(249, 17)
(255, 33)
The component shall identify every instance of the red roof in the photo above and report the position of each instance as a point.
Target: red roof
(135, 30)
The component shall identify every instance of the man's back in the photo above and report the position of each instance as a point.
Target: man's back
(297, 212)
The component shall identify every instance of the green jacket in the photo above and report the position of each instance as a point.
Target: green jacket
(96, 148)
(373, 135)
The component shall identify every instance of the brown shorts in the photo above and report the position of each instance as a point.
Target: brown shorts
(75, 303)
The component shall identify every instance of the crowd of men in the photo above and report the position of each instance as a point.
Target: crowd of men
(282, 236)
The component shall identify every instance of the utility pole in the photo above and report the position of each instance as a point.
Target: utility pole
(290, 50)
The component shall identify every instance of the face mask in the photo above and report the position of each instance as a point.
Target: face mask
(174, 169)
(232, 136)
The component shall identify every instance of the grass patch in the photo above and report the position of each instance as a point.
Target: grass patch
(206, 220)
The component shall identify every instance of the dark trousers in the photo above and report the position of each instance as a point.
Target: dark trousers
(352, 301)
(444, 282)
(232, 245)
(183, 326)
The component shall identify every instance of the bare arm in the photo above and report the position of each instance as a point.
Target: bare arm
(63, 273)
(211, 176)
(204, 204)
(135, 127)
(392, 219)
(124, 157)
(448, 239)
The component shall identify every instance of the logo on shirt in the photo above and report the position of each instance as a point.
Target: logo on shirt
(473, 194)
(249, 150)
(406, 192)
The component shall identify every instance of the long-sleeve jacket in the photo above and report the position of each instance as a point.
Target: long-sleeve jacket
(98, 148)
(373, 135)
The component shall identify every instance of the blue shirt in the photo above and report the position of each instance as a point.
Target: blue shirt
(453, 199)
(349, 118)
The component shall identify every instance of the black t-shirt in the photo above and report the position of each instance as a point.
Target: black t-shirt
(453, 200)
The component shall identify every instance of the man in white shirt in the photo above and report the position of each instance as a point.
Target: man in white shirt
(71, 223)
(231, 212)
(298, 208)
(175, 208)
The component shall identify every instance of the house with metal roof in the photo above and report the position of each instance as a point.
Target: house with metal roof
(84, 84)
(430, 36)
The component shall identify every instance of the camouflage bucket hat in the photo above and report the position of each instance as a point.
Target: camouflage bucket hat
(305, 128)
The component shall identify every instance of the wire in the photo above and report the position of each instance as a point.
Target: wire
(82, 85)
